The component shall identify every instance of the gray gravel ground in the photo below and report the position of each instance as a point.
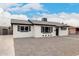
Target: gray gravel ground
(6, 45)
(54, 46)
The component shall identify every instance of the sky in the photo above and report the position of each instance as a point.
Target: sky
(67, 13)
(38, 8)
(43, 8)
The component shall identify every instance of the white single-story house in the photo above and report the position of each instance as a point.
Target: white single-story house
(34, 28)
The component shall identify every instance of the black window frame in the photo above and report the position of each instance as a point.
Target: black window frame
(43, 29)
(20, 26)
(26, 28)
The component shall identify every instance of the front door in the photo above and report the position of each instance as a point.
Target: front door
(57, 31)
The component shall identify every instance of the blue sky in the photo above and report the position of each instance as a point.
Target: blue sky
(31, 9)
(39, 8)
(58, 7)
(62, 7)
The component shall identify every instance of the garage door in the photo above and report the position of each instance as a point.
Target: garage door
(5, 31)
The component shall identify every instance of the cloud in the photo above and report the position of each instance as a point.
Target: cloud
(5, 18)
(6, 5)
(50, 17)
(35, 6)
(72, 22)
(71, 19)
(26, 7)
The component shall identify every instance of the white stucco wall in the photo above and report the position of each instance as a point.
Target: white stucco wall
(18, 34)
(63, 32)
(36, 32)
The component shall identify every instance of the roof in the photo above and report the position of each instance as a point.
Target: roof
(73, 27)
(4, 27)
(36, 22)
(48, 23)
(15, 21)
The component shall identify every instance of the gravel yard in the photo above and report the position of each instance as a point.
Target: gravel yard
(54, 46)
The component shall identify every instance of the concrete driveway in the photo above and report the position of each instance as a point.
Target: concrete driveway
(6, 45)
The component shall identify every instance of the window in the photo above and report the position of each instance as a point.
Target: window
(63, 28)
(24, 28)
(46, 29)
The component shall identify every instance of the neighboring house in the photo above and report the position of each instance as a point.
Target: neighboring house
(77, 30)
(6, 30)
(73, 30)
(5, 25)
(33, 28)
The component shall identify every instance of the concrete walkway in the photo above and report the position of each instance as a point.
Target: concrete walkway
(6, 45)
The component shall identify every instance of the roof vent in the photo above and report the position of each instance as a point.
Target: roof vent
(30, 21)
(44, 19)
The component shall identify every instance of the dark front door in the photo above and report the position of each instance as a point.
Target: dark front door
(57, 31)
(5, 31)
